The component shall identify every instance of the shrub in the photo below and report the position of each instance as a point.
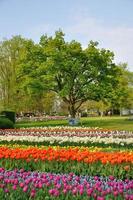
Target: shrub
(10, 115)
(84, 114)
(6, 123)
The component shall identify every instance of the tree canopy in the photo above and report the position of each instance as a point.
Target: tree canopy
(74, 73)
(57, 67)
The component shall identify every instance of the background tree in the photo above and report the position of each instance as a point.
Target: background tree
(32, 82)
(122, 95)
(10, 54)
(49, 102)
(96, 107)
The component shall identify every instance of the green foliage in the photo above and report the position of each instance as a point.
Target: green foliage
(11, 52)
(113, 146)
(78, 168)
(48, 102)
(96, 107)
(76, 75)
(28, 71)
(122, 95)
(6, 123)
(10, 115)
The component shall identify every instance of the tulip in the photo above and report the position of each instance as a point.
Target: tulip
(14, 187)
(21, 185)
(25, 188)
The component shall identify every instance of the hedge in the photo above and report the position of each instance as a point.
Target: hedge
(6, 123)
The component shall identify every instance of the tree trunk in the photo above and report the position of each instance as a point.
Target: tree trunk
(72, 111)
(120, 111)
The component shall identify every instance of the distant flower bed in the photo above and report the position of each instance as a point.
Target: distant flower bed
(42, 118)
(60, 135)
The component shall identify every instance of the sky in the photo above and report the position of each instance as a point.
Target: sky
(110, 22)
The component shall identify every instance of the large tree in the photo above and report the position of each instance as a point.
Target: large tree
(78, 74)
(74, 73)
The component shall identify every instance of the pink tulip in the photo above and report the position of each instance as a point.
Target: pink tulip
(25, 188)
(14, 187)
(64, 191)
(32, 194)
(115, 193)
(21, 185)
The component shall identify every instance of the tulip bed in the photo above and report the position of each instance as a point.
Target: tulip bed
(69, 136)
(66, 163)
(61, 186)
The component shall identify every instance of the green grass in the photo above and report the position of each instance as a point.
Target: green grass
(114, 123)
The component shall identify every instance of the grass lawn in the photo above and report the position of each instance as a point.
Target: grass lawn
(114, 123)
